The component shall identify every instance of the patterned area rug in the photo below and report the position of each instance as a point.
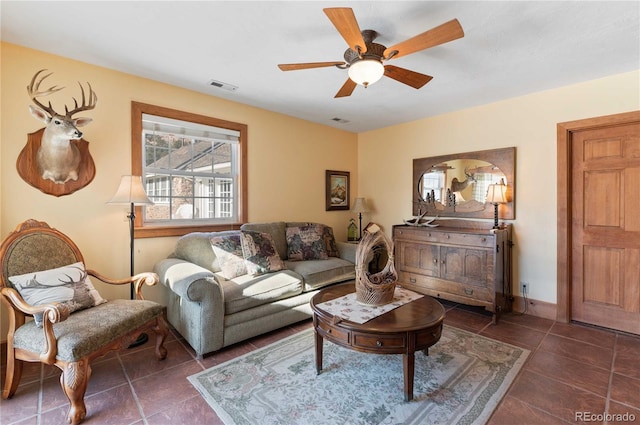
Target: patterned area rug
(460, 382)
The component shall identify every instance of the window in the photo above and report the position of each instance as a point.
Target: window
(483, 180)
(433, 181)
(193, 168)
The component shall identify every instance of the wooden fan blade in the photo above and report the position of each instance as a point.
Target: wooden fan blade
(345, 22)
(405, 76)
(296, 66)
(346, 89)
(444, 33)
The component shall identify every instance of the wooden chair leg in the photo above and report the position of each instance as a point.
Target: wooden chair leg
(161, 330)
(74, 380)
(13, 375)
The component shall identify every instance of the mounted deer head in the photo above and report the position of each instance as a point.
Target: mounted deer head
(58, 159)
(458, 186)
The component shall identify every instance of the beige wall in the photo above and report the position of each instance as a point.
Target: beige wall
(529, 124)
(287, 160)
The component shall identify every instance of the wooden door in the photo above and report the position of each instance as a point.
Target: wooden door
(605, 227)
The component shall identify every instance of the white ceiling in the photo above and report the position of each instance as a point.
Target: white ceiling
(509, 49)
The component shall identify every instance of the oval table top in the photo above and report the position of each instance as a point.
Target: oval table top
(421, 313)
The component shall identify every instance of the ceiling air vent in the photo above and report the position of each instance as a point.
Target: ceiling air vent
(221, 85)
(340, 120)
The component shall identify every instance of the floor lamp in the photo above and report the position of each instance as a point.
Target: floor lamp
(131, 192)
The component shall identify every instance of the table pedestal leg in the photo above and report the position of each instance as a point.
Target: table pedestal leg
(409, 368)
(318, 344)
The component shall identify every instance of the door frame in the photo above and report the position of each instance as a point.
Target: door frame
(565, 133)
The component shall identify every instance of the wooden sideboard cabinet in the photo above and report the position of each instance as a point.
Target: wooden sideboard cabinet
(462, 261)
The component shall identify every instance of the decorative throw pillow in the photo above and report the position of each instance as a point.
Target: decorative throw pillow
(260, 253)
(69, 285)
(228, 251)
(330, 241)
(306, 243)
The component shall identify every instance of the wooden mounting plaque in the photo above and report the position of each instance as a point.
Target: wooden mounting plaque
(27, 166)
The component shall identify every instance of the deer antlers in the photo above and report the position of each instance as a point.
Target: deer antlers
(33, 91)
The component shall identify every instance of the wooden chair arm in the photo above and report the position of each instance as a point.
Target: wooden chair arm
(51, 313)
(55, 311)
(148, 278)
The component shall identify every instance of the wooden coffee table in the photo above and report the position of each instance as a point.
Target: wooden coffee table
(414, 326)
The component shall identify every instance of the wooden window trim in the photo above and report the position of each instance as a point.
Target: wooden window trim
(150, 230)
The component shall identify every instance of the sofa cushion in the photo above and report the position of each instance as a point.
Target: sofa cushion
(260, 253)
(327, 236)
(69, 285)
(306, 243)
(228, 251)
(277, 231)
(320, 273)
(247, 291)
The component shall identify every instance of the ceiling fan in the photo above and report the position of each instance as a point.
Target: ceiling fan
(364, 58)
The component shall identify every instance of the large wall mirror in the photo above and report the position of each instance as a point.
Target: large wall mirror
(456, 185)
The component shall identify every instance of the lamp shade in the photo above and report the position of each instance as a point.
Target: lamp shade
(497, 194)
(366, 71)
(131, 191)
(360, 205)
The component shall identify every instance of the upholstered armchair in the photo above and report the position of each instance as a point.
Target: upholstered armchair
(71, 333)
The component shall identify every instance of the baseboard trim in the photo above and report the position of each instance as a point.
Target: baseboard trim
(536, 308)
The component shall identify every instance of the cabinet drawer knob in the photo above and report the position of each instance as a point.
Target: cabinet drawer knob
(448, 236)
(468, 291)
(435, 260)
(379, 343)
(412, 279)
(483, 239)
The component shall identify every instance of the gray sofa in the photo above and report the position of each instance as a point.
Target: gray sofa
(212, 309)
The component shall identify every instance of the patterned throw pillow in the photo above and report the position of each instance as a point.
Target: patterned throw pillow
(228, 251)
(260, 253)
(69, 285)
(306, 243)
(330, 241)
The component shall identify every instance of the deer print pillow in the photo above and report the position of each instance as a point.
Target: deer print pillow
(69, 285)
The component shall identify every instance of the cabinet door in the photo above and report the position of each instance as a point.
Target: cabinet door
(465, 265)
(420, 258)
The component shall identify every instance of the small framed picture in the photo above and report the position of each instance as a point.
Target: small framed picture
(338, 191)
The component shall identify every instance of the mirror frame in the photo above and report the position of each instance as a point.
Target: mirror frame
(503, 158)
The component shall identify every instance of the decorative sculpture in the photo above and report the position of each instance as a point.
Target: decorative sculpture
(61, 156)
(420, 220)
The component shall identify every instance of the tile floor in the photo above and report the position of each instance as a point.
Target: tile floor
(572, 368)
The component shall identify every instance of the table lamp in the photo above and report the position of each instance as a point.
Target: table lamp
(496, 194)
(360, 207)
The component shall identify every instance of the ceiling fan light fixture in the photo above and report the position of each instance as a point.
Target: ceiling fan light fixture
(366, 71)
